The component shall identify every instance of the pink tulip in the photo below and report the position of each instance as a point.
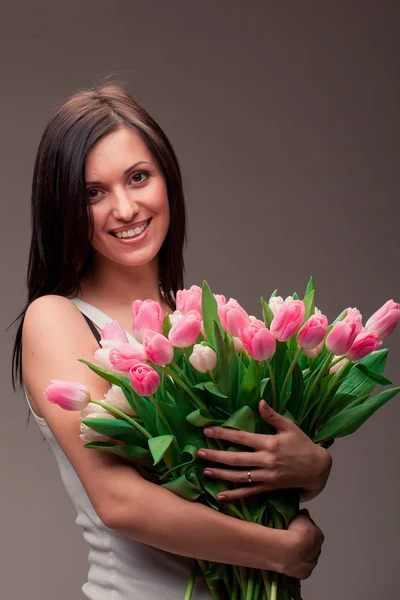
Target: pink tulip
(342, 335)
(314, 352)
(124, 356)
(238, 344)
(115, 397)
(102, 358)
(313, 332)
(384, 320)
(365, 343)
(190, 299)
(275, 304)
(114, 332)
(147, 315)
(69, 395)
(258, 340)
(158, 348)
(144, 379)
(203, 358)
(221, 300)
(184, 333)
(233, 317)
(288, 319)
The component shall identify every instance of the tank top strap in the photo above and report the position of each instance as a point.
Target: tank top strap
(97, 317)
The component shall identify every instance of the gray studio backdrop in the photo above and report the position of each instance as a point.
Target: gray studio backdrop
(285, 118)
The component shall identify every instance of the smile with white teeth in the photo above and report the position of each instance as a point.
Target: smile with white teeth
(131, 233)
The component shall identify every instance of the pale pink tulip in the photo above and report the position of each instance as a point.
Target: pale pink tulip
(144, 379)
(190, 299)
(158, 348)
(287, 321)
(69, 395)
(186, 331)
(365, 343)
(114, 332)
(124, 356)
(314, 352)
(90, 435)
(275, 304)
(258, 340)
(221, 300)
(94, 408)
(115, 397)
(203, 358)
(175, 317)
(147, 315)
(338, 365)
(313, 332)
(342, 335)
(384, 320)
(102, 358)
(238, 344)
(233, 317)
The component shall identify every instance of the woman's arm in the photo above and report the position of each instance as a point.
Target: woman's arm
(55, 335)
(288, 459)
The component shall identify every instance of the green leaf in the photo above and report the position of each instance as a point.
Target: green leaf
(201, 418)
(222, 375)
(146, 412)
(210, 312)
(309, 305)
(159, 446)
(119, 380)
(267, 313)
(186, 486)
(130, 452)
(215, 571)
(286, 502)
(244, 419)
(377, 377)
(167, 325)
(296, 394)
(310, 287)
(349, 421)
(210, 387)
(117, 429)
(273, 295)
(250, 389)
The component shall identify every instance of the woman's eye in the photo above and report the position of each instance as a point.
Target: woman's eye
(93, 194)
(135, 177)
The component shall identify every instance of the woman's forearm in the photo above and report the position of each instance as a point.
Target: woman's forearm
(153, 515)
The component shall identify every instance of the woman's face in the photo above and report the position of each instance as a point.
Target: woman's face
(129, 199)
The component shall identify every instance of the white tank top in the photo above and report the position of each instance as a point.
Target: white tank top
(119, 567)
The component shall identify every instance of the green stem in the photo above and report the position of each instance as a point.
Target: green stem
(118, 412)
(197, 402)
(257, 586)
(335, 382)
(246, 513)
(235, 587)
(274, 588)
(288, 375)
(154, 402)
(267, 583)
(273, 386)
(316, 381)
(191, 582)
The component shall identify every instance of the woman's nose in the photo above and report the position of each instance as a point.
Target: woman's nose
(124, 206)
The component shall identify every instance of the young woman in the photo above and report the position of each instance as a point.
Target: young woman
(108, 221)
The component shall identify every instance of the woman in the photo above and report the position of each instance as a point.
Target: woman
(108, 221)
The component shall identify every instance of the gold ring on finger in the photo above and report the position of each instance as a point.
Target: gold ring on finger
(249, 476)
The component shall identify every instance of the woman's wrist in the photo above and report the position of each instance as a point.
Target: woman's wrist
(321, 467)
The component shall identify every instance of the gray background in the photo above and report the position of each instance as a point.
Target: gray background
(285, 117)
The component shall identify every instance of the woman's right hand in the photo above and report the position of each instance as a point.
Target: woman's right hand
(304, 541)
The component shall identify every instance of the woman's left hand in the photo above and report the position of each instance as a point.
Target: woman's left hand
(288, 459)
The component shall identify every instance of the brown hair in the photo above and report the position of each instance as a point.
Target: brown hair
(60, 251)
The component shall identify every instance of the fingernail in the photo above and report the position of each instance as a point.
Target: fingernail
(221, 496)
(207, 472)
(208, 431)
(201, 453)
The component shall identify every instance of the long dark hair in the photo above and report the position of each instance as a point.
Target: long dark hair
(60, 252)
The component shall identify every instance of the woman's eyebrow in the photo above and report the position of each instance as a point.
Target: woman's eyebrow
(139, 162)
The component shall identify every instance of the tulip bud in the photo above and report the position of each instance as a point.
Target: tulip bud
(275, 304)
(221, 300)
(158, 348)
(190, 299)
(313, 332)
(124, 356)
(94, 408)
(238, 344)
(147, 315)
(342, 335)
(69, 395)
(144, 379)
(114, 332)
(287, 321)
(186, 331)
(365, 343)
(203, 358)
(338, 365)
(233, 317)
(90, 435)
(258, 340)
(314, 352)
(102, 359)
(115, 397)
(384, 320)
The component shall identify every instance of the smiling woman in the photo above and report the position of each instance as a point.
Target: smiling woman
(108, 228)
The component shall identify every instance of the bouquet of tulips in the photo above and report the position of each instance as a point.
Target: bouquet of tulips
(209, 363)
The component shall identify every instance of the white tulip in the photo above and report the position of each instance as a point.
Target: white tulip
(203, 358)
